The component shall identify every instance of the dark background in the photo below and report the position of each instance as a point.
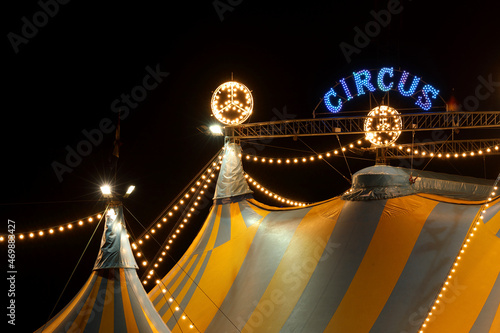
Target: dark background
(66, 77)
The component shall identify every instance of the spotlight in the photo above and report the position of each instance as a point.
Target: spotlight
(216, 130)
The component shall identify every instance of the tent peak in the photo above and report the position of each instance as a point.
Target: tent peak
(231, 182)
(115, 250)
(384, 182)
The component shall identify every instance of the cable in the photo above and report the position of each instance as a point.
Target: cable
(484, 166)
(278, 147)
(345, 159)
(189, 277)
(44, 202)
(182, 192)
(425, 166)
(129, 228)
(412, 151)
(413, 179)
(340, 173)
(74, 269)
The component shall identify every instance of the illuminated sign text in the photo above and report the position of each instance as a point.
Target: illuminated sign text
(362, 82)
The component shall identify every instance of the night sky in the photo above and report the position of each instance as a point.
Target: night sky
(68, 76)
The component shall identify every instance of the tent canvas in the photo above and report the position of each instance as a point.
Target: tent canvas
(341, 265)
(113, 298)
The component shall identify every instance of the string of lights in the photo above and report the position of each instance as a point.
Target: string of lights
(426, 153)
(58, 229)
(291, 160)
(175, 206)
(190, 201)
(186, 206)
(421, 152)
(175, 308)
(477, 223)
(271, 194)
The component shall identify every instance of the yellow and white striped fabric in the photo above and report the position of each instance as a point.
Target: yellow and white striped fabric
(337, 266)
(110, 301)
(113, 298)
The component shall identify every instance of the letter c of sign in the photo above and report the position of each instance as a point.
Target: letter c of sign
(333, 108)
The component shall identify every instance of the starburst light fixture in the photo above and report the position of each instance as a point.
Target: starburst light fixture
(383, 126)
(232, 103)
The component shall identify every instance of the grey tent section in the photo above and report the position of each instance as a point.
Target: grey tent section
(113, 298)
(385, 182)
(115, 249)
(231, 181)
(364, 265)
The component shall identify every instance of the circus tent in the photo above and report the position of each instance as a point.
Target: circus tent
(389, 255)
(112, 299)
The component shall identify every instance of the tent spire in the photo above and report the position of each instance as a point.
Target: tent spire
(113, 299)
(231, 182)
(115, 251)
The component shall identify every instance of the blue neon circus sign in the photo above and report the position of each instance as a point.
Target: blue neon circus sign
(361, 82)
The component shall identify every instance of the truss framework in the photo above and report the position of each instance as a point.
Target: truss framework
(355, 125)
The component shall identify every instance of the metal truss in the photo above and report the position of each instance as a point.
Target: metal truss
(355, 125)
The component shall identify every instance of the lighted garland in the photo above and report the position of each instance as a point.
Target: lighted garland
(451, 274)
(293, 160)
(356, 144)
(52, 230)
(424, 153)
(188, 204)
(271, 194)
(190, 199)
(202, 182)
(175, 307)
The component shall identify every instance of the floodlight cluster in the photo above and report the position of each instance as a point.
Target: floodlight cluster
(232, 103)
(383, 126)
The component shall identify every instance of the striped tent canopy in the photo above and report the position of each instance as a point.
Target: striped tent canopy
(370, 264)
(112, 299)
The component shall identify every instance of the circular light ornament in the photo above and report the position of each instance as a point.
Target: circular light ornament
(232, 103)
(383, 126)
